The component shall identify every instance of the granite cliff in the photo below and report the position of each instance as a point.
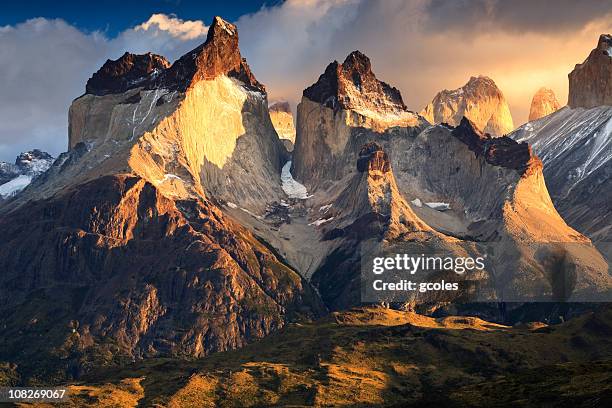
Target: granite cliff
(544, 103)
(479, 100)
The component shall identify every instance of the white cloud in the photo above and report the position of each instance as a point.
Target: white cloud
(177, 28)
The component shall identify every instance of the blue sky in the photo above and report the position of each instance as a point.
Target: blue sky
(114, 16)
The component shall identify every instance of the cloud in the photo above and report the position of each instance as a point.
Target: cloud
(419, 46)
(516, 16)
(423, 46)
(44, 65)
(177, 28)
(161, 34)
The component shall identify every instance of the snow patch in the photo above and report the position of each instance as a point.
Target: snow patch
(438, 206)
(171, 176)
(259, 217)
(292, 188)
(325, 208)
(321, 221)
(14, 186)
(231, 205)
(417, 202)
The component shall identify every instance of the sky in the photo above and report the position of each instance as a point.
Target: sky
(48, 50)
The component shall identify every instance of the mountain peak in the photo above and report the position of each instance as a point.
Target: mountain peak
(218, 55)
(605, 43)
(590, 83)
(128, 71)
(220, 26)
(353, 85)
(544, 103)
(479, 99)
(280, 106)
(357, 60)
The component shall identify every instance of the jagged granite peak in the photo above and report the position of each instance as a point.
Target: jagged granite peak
(449, 187)
(218, 55)
(200, 126)
(590, 83)
(346, 96)
(128, 71)
(479, 99)
(352, 85)
(34, 162)
(498, 151)
(543, 103)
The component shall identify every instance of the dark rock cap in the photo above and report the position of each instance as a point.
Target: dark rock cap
(219, 55)
(332, 87)
(126, 72)
(498, 151)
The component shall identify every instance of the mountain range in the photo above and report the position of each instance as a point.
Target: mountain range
(179, 225)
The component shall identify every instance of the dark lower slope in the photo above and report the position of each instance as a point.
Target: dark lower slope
(113, 271)
(378, 357)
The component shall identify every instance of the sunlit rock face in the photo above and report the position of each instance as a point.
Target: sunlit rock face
(346, 96)
(198, 126)
(575, 144)
(384, 172)
(544, 103)
(282, 119)
(576, 148)
(590, 83)
(480, 100)
(126, 240)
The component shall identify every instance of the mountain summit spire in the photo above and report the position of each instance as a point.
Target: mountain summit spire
(218, 55)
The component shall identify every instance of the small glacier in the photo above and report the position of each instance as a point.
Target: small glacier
(292, 188)
(14, 186)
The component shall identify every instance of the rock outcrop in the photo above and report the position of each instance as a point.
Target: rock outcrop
(372, 182)
(576, 148)
(173, 226)
(590, 83)
(544, 103)
(282, 119)
(200, 124)
(28, 166)
(126, 253)
(480, 100)
(345, 96)
(125, 73)
(575, 144)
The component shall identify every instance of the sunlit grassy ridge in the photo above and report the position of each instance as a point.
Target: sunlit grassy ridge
(379, 357)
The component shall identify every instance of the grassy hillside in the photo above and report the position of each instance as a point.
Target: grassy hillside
(378, 357)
